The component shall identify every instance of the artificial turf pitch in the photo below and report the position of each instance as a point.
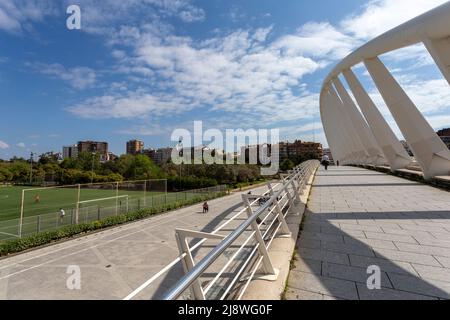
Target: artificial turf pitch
(43, 215)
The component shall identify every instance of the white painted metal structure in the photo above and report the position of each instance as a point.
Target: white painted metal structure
(366, 138)
(278, 201)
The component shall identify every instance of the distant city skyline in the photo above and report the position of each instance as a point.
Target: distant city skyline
(141, 69)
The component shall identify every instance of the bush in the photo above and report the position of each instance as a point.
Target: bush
(18, 245)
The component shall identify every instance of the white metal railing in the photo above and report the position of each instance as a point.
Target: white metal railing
(262, 225)
(286, 194)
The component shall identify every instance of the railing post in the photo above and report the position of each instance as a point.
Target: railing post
(271, 272)
(188, 264)
(188, 261)
(284, 227)
(296, 190)
(286, 186)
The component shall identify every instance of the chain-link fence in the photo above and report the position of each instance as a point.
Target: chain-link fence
(45, 209)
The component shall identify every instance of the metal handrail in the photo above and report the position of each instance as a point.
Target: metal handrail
(179, 258)
(197, 271)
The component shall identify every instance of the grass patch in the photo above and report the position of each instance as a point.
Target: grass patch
(17, 245)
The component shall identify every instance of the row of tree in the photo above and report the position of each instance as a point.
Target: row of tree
(88, 168)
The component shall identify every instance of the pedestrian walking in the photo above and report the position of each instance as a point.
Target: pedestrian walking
(205, 207)
(326, 161)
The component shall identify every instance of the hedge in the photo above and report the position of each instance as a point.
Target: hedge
(17, 245)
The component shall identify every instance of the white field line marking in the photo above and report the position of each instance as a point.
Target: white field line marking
(91, 238)
(64, 256)
(169, 216)
(174, 262)
(9, 234)
(82, 250)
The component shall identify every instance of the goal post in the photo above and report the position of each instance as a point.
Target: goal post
(44, 203)
(96, 205)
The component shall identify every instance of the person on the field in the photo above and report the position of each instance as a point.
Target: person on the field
(37, 198)
(325, 161)
(62, 214)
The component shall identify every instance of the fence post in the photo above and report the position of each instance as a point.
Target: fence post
(98, 213)
(117, 196)
(139, 204)
(38, 224)
(21, 214)
(145, 193)
(77, 212)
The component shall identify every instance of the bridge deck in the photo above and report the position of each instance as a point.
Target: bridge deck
(358, 218)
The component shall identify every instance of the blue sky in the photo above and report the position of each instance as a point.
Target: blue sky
(142, 68)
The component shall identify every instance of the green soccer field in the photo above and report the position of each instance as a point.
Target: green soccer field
(95, 204)
(52, 200)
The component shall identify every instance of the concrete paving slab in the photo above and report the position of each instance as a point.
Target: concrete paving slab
(374, 220)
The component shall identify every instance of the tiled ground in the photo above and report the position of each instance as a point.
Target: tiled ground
(358, 218)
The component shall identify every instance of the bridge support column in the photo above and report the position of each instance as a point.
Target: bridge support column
(360, 125)
(429, 150)
(343, 142)
(440, 51)
(331, 132)
(392, 149)
(346, 123)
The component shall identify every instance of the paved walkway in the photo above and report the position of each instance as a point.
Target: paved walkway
(359, 218)
(115, 262)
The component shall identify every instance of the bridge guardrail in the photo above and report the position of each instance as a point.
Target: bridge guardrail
(263, 224)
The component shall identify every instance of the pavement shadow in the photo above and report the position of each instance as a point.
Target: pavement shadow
(173, 276)
(333, 261)
(334, 252)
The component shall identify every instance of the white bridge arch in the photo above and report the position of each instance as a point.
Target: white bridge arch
(364, 137)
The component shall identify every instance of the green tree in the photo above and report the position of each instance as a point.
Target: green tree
(287, 165)
(5, 174)
(142, 168)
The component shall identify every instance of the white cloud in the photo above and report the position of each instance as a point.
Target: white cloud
(132, 105)
(101, 17)
(233, 73)
(379, 16)
(3, 145)
(21, 145)
(320, 40)
(147, 130)
(78, 77)
(192, 14)
(418, 53)
(439, 121)
(18, 15)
